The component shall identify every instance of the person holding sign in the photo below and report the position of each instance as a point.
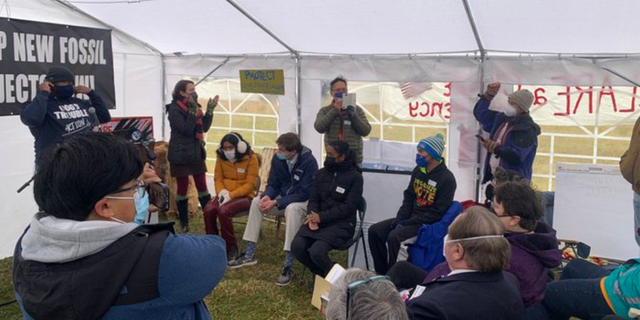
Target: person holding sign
(55, 113)
(513, 135)
(343, 122)
(186, 148)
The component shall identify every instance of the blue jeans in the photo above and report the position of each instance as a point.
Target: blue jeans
(636, 216)
(577, 294)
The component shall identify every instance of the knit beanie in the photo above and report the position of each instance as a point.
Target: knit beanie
(522, 98)
(434, 146)
(58, 74)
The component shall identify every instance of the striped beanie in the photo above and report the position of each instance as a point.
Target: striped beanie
(434, 146)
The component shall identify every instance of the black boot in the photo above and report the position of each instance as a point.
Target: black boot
(183, 211)
(204, 200)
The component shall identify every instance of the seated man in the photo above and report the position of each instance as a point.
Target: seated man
(84, 257)
(288, 189)
(534, 246)
(476, 288)
(361, 295)
(426, 199)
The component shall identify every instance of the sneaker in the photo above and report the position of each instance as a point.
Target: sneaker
(232, 254)
(241, 262)
(285, 278)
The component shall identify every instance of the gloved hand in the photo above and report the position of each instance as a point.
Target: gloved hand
(492, 90)
(396, 224)
(223, 196)
(212, 104)
(193, 106)
(351, 110)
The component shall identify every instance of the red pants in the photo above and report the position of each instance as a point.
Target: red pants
(225, 214)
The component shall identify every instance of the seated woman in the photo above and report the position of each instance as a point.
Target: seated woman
(534, 247)
(334, 199)
(235, 179)
(591, 292)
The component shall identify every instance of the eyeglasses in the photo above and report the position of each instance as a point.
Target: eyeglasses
(359, 284)
(140, 188)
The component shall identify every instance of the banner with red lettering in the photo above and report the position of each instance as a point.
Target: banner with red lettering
(29, 48)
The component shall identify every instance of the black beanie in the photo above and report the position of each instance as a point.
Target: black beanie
(58, 74)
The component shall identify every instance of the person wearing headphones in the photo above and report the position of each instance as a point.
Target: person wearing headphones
(235, 179)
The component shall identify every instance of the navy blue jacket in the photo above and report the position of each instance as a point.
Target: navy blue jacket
(521, 143)
(295, 186)
(50, 118)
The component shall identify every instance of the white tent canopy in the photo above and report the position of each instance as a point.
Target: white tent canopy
(467, 43)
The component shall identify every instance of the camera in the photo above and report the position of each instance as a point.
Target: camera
(159, 195)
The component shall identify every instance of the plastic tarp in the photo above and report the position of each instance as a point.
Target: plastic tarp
(138, 83)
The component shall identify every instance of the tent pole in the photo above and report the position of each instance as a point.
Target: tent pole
(298, 94)
(212, 71)
(618, 74)
(162, 92)
(476, 34)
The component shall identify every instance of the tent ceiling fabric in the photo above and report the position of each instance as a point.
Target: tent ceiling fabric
(551, 26)
(376, 27)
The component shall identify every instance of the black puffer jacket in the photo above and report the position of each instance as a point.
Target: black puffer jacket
(184, 148)
(335, 196)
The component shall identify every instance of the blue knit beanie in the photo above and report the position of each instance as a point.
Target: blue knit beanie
(434, 146)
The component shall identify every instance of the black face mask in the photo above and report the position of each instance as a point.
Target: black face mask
(194, 95)
(330, 162)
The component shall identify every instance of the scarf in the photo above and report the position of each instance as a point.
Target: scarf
(199, 115)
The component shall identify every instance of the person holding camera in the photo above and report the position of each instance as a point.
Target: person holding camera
(236, 176)
(341, 122)
(187, 152)
(513, 135)
(55, 112)
(85, 256)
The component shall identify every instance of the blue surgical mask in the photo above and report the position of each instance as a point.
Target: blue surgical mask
(510, 112)
(142, 207)
(282, 156)
(421, 161)
(65, 91)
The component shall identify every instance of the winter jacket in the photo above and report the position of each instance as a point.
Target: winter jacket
(621, 288)
(520, 145)
(472, 295)
(629, 164)
(428, 196)
(184, 147)
(51, 118)
(329, 121)
(426, 252)
(295, 186)
(64, 269)
(532, 254)
(335, 196)
(239, 177)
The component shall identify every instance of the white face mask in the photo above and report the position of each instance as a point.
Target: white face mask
(230, 154)
(446, 239)
(510, 111)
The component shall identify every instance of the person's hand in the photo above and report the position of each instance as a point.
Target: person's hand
(46, 86)
(222, 196)
(153, 208)
(351, 111)
(313, 217)
(490, 145)
(492, 90)
(83, 89)
(212, 104)
(313, 226)
(396, 224)
(193, 106)
(337, 104)
(148, 175)
(268, 205)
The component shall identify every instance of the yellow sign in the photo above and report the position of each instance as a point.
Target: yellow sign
(262, 81)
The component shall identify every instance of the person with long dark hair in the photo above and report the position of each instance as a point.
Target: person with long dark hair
(236, 174)
(331, 219)
(187, 152)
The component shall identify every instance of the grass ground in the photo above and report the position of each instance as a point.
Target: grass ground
(245, 293)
